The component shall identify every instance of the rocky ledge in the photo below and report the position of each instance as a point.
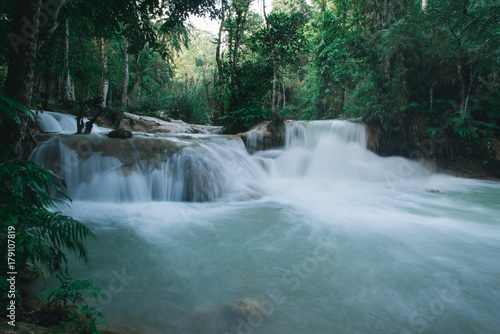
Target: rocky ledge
(148, 124)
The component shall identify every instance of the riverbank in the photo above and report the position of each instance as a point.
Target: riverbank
(444, 152)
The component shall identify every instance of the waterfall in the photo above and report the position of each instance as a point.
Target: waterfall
(55, 122)
(307, 134)
(196, 168)
(203, 167)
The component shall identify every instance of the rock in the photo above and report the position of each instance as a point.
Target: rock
(31, 302)
(120, 133)
(493, 165)
(154, 125)
(248, 307)
(104, 122)
(261, 137)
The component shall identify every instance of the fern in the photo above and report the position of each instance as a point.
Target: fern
(75, 292)
(26, 203)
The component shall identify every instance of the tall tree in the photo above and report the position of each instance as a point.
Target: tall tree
(105, 77)
(273, 59)
(125, 73)
(19, 84)
(66, 74)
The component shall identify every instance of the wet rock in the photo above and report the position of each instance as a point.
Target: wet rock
(120, 133)
(262, 137)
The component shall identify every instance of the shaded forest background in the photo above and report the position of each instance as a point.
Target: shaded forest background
(412, 69)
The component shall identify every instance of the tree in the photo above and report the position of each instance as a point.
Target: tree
(33, 22)
(283, 39)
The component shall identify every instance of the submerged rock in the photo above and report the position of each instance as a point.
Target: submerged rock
(248, 308)
(218, 319)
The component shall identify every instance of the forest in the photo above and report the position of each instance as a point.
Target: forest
(406, 66)
(423, 76)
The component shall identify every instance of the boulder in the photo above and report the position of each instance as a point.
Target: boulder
(262, 137)
(120, 133)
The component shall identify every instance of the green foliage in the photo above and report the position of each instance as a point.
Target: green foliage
(287, 32)
(25, 197)
(75, 292)
(243, 119)
(338, 60)
(71, 291)
(15, 111)
(89, 322)
(41, 235)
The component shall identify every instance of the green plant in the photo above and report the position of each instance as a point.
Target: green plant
(41, 235)
(243, 119)
(74, 292)
(89, 320)
(71, 291)
(26, 202)
(15, 110)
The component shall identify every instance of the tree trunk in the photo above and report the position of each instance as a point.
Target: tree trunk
(240, 29)
(73, 96)
(126, 74)
(431, 97)
(323, 6)
(284, 94)
(138, 83)
(275, 63)
(22, 57)
(241, 19)
(50, 12)
(20, 77)
(218, 58)
(461, 80)
(67, 77)
(105, 80)
(424, 5)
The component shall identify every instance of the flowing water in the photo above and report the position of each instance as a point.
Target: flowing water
(194, 235)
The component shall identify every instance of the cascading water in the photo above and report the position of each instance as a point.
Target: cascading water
(321, 236)
(194, 168)
(145, 168)
(307, 134)
(54, 122)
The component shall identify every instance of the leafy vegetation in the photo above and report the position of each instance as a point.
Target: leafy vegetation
(41, 236)
(75, 292)
(390, 62)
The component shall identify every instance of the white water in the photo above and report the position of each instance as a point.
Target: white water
(54, 122)
(328, 236)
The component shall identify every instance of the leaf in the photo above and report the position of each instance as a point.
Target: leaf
(15, 111)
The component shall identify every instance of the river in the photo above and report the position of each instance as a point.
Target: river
(195, 235)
